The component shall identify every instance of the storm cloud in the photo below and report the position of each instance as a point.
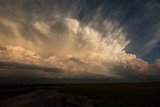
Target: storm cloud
(79, 39)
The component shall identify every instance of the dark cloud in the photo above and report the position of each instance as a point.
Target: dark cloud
(23, 73)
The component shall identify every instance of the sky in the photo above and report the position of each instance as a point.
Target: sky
(45, 41)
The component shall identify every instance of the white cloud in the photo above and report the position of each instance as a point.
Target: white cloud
(42, 27)
(77, 49)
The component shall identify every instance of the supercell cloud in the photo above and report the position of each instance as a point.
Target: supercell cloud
(58, 39)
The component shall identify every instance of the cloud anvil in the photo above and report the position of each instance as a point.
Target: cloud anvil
(79, 39)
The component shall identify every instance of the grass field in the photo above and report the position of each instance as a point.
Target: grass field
(104, 95)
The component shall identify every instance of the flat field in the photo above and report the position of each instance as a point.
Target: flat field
(81, 95)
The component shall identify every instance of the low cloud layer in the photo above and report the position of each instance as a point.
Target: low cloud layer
(62, 42)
